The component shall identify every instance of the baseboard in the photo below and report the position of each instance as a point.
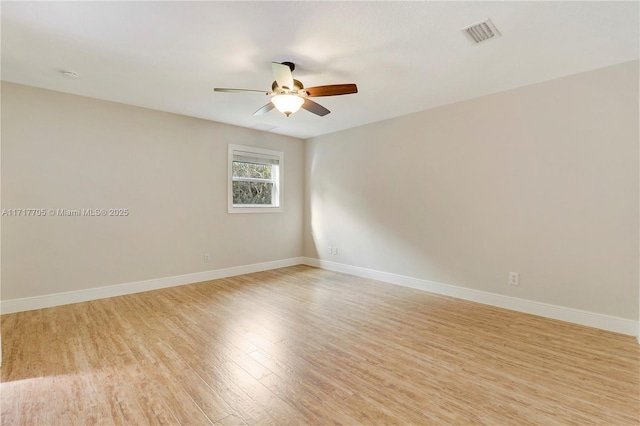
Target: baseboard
(576, 316)
(57, 299)
(604, 322)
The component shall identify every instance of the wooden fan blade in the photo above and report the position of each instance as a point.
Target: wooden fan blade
(265, 109)
(221, 89)
(315, 108)
(283, 76)
(332, 90)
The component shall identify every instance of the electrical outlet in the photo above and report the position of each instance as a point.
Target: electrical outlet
(335, 251)
(514, 278)
(330, 250)
(207, 257)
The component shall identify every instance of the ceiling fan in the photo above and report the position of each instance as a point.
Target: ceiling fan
(289, 95)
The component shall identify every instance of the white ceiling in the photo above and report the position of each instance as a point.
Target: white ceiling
(404, 56)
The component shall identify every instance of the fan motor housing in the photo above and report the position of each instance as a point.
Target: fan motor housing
(297, 85)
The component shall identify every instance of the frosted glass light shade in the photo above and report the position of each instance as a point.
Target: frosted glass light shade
(287, 104)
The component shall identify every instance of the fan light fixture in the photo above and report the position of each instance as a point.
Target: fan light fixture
(287, 104)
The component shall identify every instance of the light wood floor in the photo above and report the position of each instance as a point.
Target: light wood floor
(304, 346)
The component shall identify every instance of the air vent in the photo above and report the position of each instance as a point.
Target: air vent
(263, 127)
(481, 31)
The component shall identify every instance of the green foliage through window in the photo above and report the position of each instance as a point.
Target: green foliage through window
(252, 192)
(258, 186)
(251, 170)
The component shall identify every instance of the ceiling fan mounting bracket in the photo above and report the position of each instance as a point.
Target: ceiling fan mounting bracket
(291, 65)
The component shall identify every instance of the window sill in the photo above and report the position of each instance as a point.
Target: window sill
(255, 210)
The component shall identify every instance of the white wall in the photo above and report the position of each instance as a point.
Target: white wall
(540, 180)
(170, 171)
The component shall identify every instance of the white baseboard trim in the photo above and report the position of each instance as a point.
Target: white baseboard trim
(576, 316)
(57, 299)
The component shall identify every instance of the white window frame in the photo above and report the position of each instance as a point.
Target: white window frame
(277, 174)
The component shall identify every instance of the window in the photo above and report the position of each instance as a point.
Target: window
(255, 183)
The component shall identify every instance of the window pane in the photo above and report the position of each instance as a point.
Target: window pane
(251, 170)
(252, 192)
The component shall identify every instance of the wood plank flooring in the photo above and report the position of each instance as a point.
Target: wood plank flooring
(303, 346)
